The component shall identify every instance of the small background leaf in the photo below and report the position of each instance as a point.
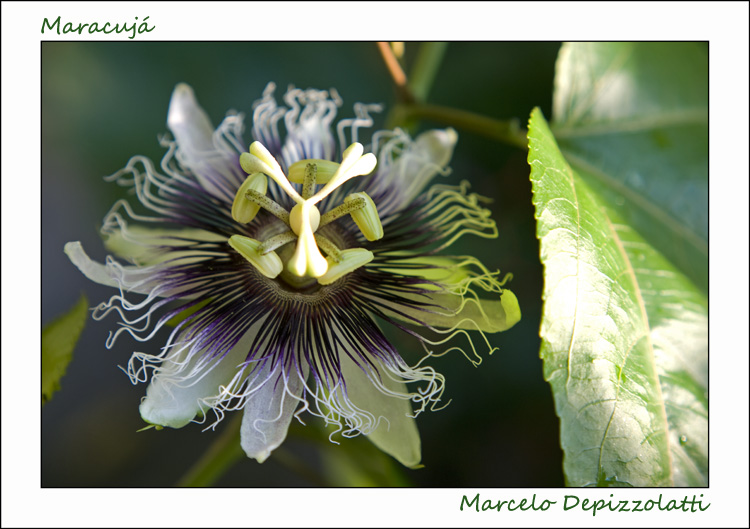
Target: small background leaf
(58, 341)
(632, 117)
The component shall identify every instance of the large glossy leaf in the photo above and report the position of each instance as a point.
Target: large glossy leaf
(633, 118)
(58, 341)
(624, 336)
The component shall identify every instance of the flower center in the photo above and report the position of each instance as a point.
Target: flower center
(304, 219)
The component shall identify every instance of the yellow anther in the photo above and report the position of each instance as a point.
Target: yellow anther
(269, 265)
(244, 210)
(351, 259)
(326, 169)
(366, 218)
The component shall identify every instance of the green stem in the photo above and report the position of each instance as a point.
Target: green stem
(397, 73)
(426, 65)
(220, 456)
(506, 131)
(298, 466)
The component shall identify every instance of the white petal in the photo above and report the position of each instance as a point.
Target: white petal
(269, 412)
(131, 278)
(437, 145)
(397, 434)
(193, 132)
(186, 383)
(140, 244)
(139, 279)
(420, 161)
(189, 123)
(446, 312)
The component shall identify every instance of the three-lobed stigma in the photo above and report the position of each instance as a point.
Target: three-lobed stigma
(304, 219)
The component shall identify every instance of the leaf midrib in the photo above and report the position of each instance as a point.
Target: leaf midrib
(629, 269)
(678, 118)
(653, 209)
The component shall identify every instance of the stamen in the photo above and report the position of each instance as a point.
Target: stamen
(311, 175)
(366, 217)
(269, 205)
(326, 169)
(325, 244)
(351, 259)
(269, 265)
(340, 211)
(244, 210)
(276, 241)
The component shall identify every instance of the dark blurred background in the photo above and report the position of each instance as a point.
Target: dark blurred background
(104, 102)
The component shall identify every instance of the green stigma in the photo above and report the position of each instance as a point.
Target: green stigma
(304, 219)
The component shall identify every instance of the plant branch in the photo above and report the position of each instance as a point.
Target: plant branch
(298, 466)
(397, 73)
(224, 452)
(506, 131)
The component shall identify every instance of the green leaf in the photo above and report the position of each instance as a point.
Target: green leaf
(58, 341)
(633, 119)
(624, 336)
